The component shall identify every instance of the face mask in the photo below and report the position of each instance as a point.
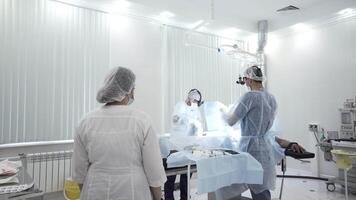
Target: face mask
(194, 105)
(248, 88)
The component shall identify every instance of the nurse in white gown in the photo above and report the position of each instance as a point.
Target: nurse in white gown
(116, 152)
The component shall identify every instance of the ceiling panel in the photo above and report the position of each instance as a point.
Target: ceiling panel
(241, 14)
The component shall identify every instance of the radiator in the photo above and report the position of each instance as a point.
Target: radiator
(49, 169)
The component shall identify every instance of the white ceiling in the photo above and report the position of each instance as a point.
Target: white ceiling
(244, 14)
(234, 15)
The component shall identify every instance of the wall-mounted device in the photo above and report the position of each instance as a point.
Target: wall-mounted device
(313, 127)
(332, 135)
(348, 120)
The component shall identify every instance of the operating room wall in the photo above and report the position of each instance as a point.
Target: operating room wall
(311, 73)
(50, 68)
(136, 44)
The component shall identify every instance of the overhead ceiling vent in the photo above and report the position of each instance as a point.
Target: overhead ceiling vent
(288, 8)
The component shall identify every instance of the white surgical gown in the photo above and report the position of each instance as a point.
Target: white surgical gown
(116, 155)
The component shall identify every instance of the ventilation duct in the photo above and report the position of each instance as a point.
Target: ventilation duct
(288, 8)
(262, 35)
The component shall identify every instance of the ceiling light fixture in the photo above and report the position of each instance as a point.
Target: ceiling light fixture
(167, 14)
(121, 6)
(346, 11)
(300, 27)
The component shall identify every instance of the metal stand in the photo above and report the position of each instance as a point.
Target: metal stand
(284, 169)
(188, 182)
(346, 188)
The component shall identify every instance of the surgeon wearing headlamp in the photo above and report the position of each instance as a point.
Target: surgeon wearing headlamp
(256, 112)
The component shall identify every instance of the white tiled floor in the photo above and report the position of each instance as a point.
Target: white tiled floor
(294, 189)
(298, 189)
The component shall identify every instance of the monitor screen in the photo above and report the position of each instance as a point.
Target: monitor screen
(346, 118)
